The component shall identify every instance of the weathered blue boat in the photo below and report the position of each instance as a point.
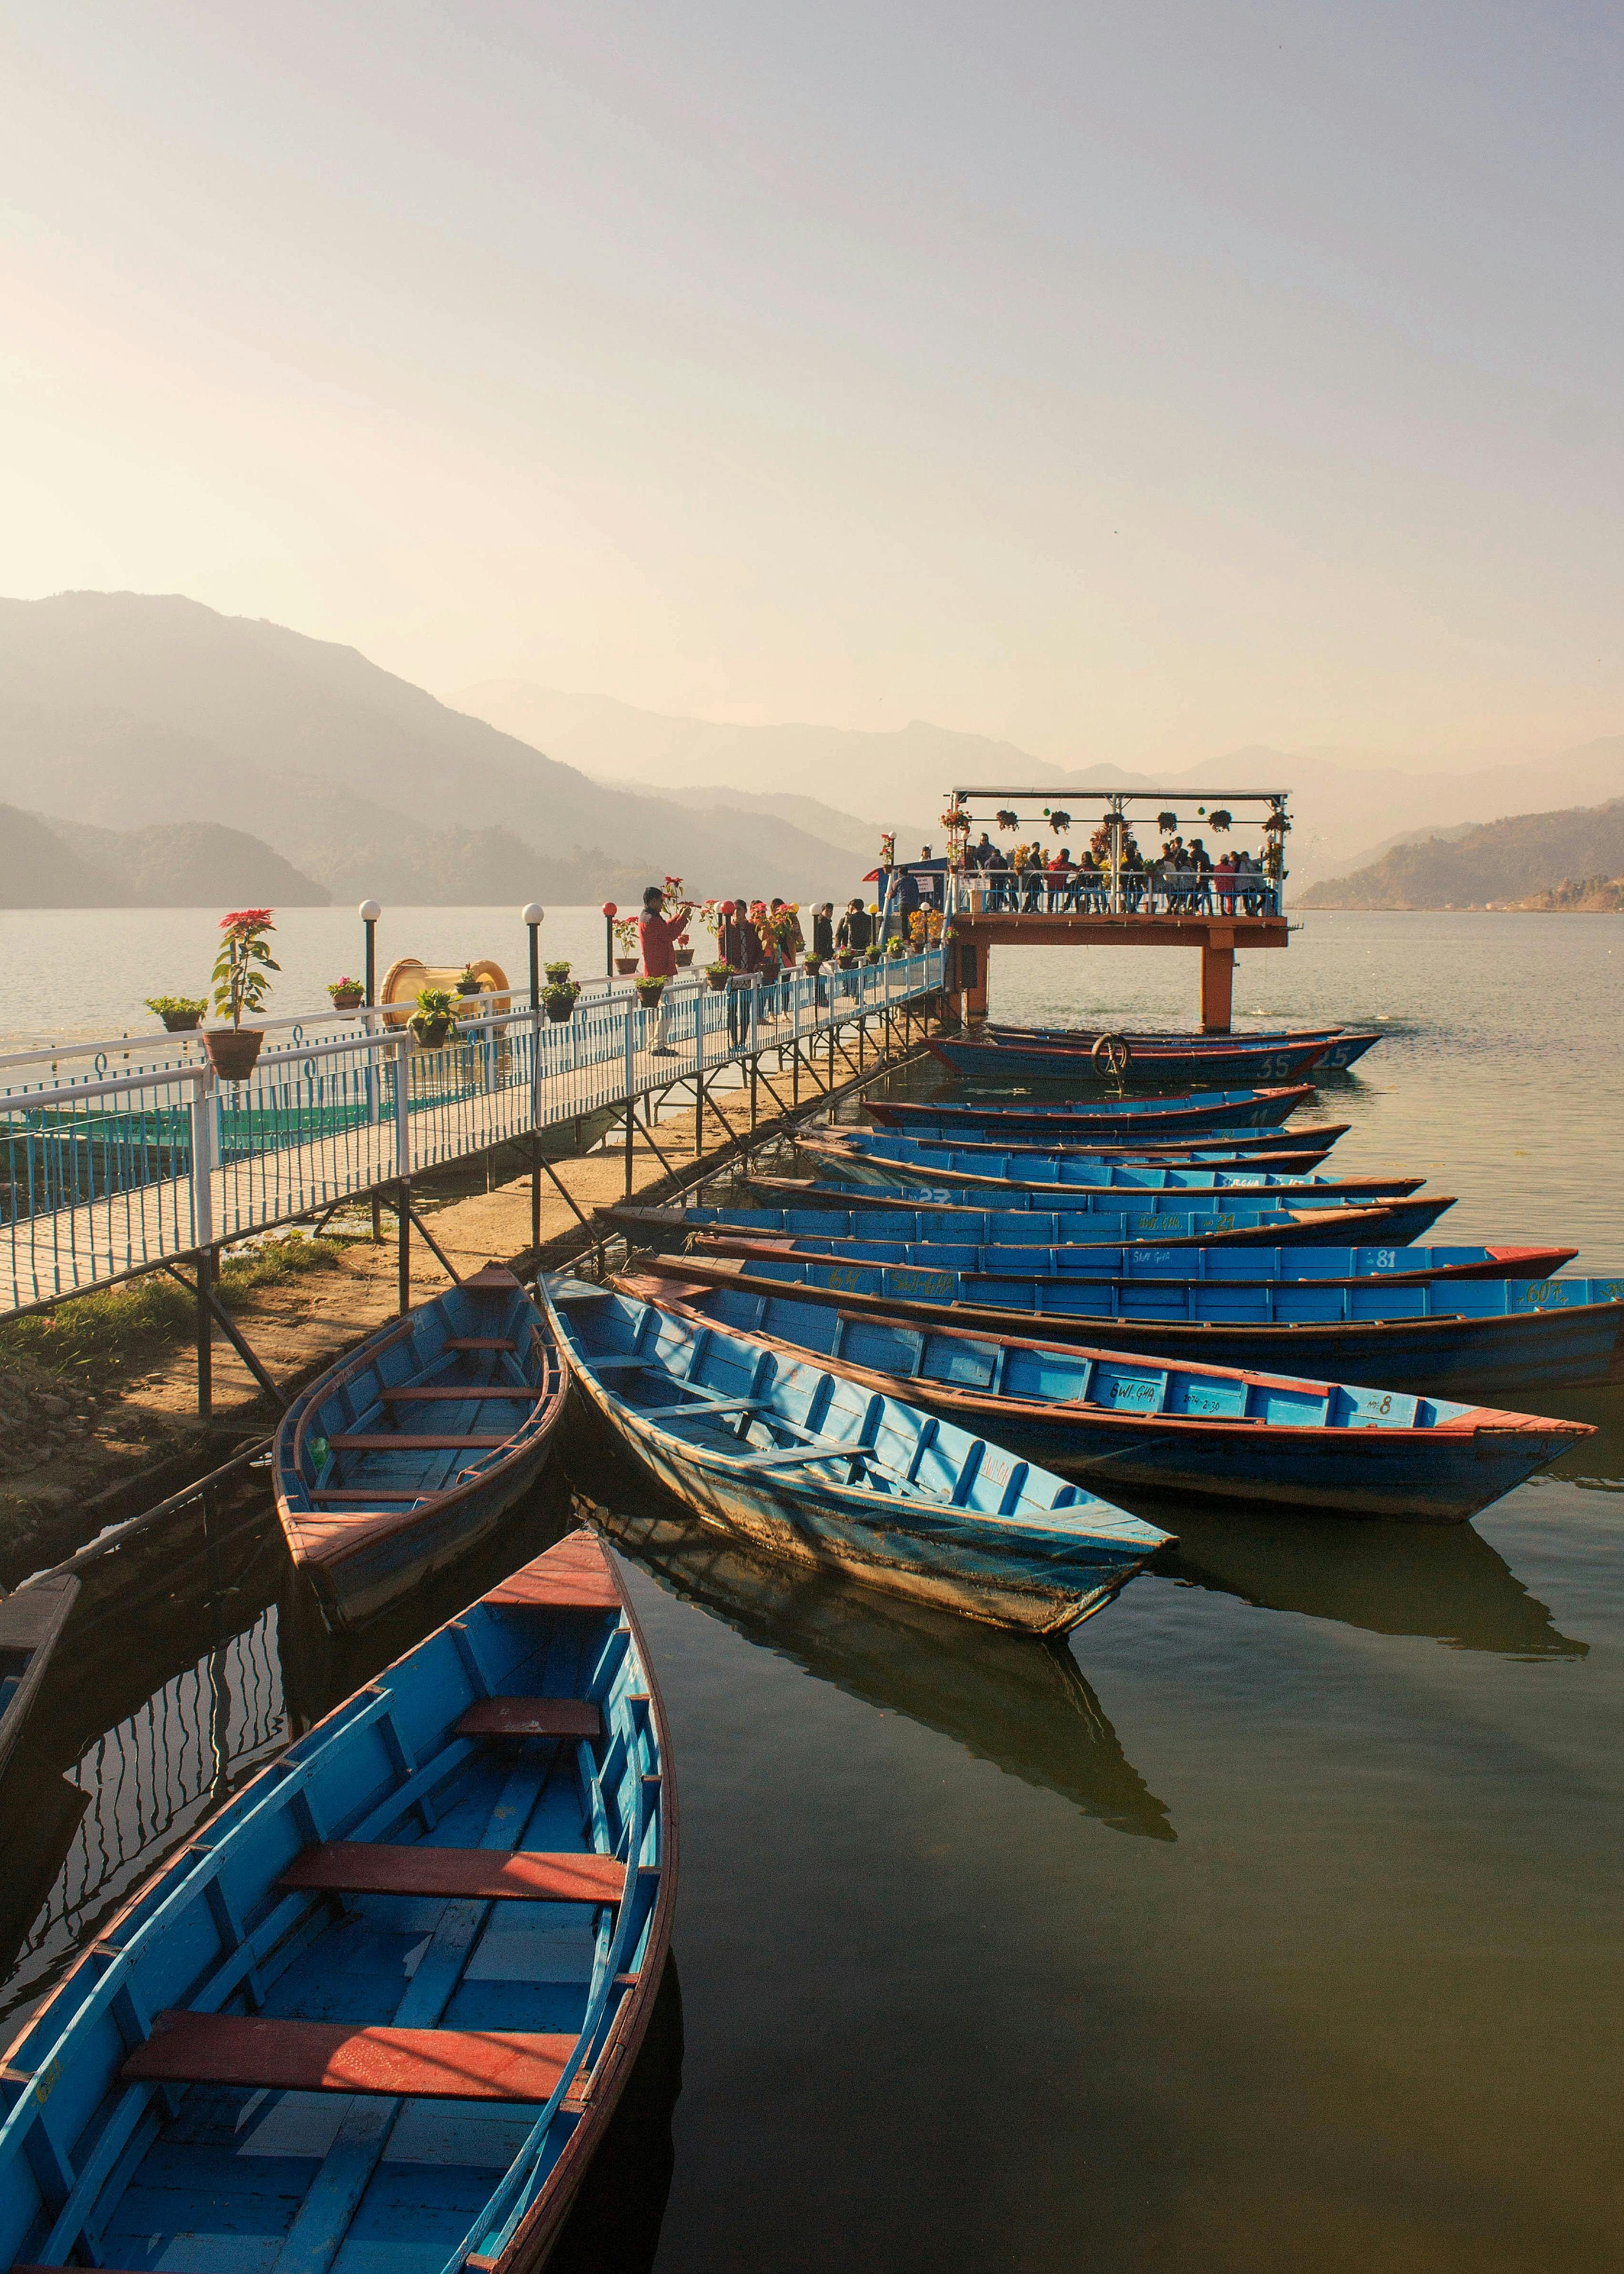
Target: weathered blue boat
(1279, 1151)
(1186, 1215)
(405, 1452)
(1120, 1120)
(1218, 1432)
(991, 1060)
(32, 1619)
(1087, 1234)
(1342, 1044)
(996, 1120)
(805, 1231)
(380, 2011)
(1422, 1336)
(882, 1161)
(785, 1454)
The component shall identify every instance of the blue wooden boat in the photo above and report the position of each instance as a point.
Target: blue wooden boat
(996, 1121)
(883, 1238)
(1279, 1151)
(1342, 1044)
(991, 1060)
(1172, 1215)
(1218, 1432)
(405, 1452)
(882, 1161)
(380, 2011)
(1240, 1117)
(1422, 1336)
(31, 1623)
(784, 1454)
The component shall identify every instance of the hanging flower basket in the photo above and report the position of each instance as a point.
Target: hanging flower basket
(684, 957)
(1167, 823)
(1220, 821)
(233, 1051)
(1059, 822)
(1004, 819)
(626, 965)
(717, 977)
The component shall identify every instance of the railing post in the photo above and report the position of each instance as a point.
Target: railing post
(699, 1072)
(535, 1118)
(202, 1164)
(402, 1108)
(630, 1081)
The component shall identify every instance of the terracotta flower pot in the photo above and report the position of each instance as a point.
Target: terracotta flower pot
(846, 963)
(349, 999)
(232, 1050)
(182, 1022)
(648, 992)
(559, 1012)
(430, 1032)
(684, 955)
(626, 965)
(716, 981)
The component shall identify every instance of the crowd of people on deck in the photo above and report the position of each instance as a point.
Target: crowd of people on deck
(1184, 878)
(759, 939)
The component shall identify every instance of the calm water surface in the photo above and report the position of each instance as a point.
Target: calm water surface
(1272, 1925)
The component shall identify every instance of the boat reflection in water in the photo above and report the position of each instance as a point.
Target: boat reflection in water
(1443, 1582)
(1015, 1700)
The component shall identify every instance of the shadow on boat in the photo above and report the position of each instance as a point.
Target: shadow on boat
(1014, 1700)
(1441, 1582)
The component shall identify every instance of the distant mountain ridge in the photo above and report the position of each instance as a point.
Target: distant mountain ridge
(1344, 811)
(1554, 860)
(46, 863)
(126, 709)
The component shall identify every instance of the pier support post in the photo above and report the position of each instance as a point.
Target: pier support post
(402, 1247)
(206, 1335)
(1217, 980)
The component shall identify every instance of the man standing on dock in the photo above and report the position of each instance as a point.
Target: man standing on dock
(658, 935)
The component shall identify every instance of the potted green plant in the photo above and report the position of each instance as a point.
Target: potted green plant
(240, 984)
(558, 1000)
(180, 1013)
(468, 980)
(556, 973)
(347, 994)
(626, 941)
(873, 955)
(649, 991)
(717, 977)
(812, 963)
(846, 959)
(898, 949)
(434, 1017)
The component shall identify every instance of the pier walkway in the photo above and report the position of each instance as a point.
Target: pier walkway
(113, 1175)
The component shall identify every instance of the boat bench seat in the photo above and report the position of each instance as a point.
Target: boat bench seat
(432, 1391)
(568, 1578)
(532, 1717)
(389, 1441)
(479, 1342)
(360, 1867)
(339, 2056)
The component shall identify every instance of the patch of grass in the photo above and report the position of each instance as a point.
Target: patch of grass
(153, 1312)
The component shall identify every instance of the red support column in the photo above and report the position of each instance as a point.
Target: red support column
(1217, 982)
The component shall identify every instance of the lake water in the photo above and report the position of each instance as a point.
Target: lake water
(1272, 1925)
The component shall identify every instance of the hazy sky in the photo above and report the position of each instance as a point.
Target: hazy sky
(1134, 381)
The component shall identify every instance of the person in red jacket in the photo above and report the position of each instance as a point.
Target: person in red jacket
(658, 935)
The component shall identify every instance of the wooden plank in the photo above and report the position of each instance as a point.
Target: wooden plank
(360, 1492)
(510, 1390)
(480, 1342)
(473, 1874)
(504, 2065)
(389, 1441)
(573, 1576)
(531, 1717)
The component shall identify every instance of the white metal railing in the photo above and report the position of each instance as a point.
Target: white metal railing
(1152, 892)
(103, 1176)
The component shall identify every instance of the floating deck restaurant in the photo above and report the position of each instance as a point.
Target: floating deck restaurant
(1123, 904)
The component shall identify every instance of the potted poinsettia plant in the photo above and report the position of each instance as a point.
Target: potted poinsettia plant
(626, 940)
(434, 1016)
(347, 994)
(180, 1013)
(240, 984)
